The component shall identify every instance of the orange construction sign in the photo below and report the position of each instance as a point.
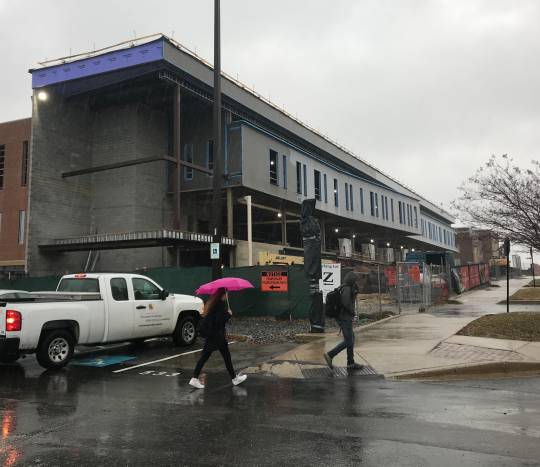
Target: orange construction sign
(274, 281)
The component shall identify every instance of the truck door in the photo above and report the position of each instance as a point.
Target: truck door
(120, 310)
(152, 314)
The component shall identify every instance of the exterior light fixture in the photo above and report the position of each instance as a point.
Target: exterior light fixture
(412, 249)
(336, 230)
(42, 96)
(387, 243)
(401, 247)
(279, 215)
(354, 236)
(372, 241)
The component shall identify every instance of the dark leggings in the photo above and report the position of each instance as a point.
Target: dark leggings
(210, 345)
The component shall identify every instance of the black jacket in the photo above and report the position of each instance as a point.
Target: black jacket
(348, 296)
(217, 319)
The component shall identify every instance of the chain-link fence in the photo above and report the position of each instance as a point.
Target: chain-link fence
(402, 287)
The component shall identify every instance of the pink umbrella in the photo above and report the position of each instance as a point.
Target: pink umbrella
(230, 284)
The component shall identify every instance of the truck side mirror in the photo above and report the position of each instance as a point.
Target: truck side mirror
(164, 294)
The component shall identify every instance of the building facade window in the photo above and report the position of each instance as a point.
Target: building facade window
(22, 226)
(351, 197)
(415, 217)
(299, 178)
(304, 174)
(2, 164)
(372, 203)
(317, 184)
(361, 201)
(325, 189)
(273, 167)
(376, 205)
(24, 164)
(336, 194)
(400, 214)
(440, 234)
(188, 157)
(386, 207)
(346, 196)
(392, 208)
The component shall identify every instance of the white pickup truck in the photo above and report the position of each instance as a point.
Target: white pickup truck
(89, 309)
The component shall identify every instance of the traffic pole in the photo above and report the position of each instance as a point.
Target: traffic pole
(507, 252)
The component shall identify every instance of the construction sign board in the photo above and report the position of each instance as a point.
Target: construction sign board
(274, 281)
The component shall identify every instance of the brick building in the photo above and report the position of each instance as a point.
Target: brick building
(476, 245)
(14, 173)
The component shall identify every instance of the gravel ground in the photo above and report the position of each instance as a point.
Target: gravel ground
(267, 330)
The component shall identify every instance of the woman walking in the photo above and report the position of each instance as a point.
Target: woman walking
(216, 313)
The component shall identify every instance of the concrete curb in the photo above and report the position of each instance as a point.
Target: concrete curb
(519, 302)
(306, 338)
(472, 369)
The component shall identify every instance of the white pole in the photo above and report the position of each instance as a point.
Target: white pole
(249, 232)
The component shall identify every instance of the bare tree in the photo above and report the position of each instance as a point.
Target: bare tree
(503, 198)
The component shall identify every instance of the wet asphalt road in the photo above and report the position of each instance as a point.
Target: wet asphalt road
(149, 416)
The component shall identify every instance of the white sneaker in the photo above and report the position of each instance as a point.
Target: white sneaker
(239, 379)
(196, 383)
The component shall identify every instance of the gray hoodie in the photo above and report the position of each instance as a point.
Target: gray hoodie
(348, 296)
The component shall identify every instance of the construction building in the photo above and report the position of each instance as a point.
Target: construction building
(122, 165)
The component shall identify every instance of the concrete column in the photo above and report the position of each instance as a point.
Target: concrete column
(230, 213)
(283, 227)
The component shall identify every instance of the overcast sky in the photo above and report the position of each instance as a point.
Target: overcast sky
(424, 90)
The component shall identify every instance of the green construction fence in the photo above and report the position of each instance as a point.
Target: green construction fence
(252, 302)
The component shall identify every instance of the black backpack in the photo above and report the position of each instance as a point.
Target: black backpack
(333, 303)
(204, 326)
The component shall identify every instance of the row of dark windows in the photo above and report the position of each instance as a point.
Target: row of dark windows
(24, 164)
(408, 214)
(437, 233)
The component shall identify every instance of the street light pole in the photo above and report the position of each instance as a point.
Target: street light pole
(218, 166)
(507, 253)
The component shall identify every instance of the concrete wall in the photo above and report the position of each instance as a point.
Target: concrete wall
(59, 208)
(242, 256)
(67, 136)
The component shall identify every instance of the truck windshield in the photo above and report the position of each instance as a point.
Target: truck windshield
(79, 285)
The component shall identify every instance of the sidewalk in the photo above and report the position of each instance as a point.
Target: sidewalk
(421, 344)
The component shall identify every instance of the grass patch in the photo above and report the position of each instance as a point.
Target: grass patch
(519, 326)
(533, 283)
(526, 293)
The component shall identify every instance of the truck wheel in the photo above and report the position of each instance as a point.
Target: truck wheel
(56, 349)
(185, 332)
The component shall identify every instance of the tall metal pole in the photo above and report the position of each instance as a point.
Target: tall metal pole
(532, 267)
(250, 231)
(507, 252)
(178, 156)
(216, 219)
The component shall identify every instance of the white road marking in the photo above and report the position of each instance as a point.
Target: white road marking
(160, 360)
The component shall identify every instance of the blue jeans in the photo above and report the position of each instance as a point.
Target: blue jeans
(348, 341)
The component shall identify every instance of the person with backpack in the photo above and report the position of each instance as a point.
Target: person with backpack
(215, 314)
(341, 304)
